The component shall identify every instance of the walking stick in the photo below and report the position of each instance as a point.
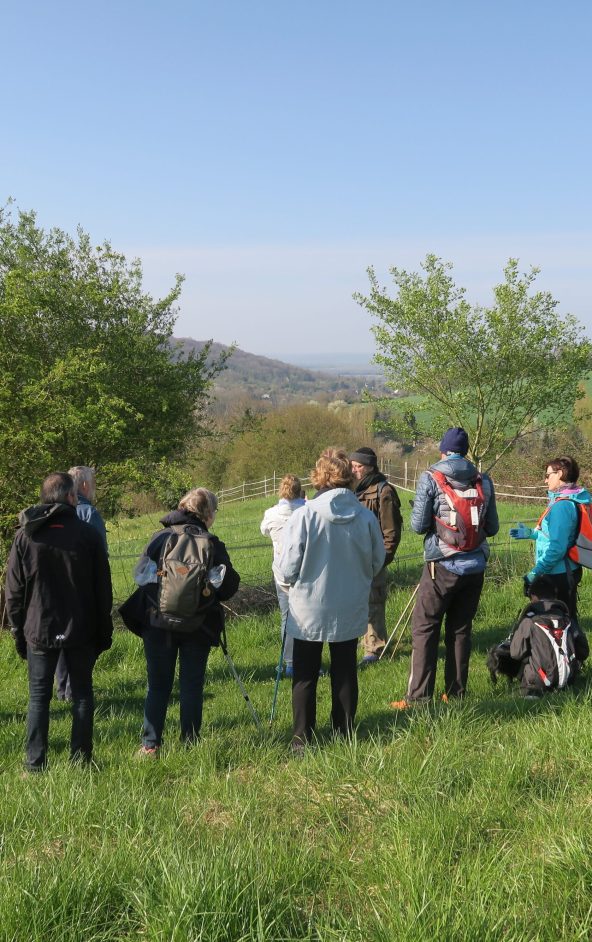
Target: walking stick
(403, 614)
(230, 662)
(402, 632)
(278, 674)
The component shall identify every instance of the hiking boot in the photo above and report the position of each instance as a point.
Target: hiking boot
(148, 752)
(400, 704)
(368, 660)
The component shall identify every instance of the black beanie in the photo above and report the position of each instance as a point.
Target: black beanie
(365, 456)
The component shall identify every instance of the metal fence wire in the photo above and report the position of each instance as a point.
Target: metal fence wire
(251, 553)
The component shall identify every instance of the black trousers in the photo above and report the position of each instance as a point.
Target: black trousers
(42, 664)
(567, 588)
(344, 686)
(455, 598)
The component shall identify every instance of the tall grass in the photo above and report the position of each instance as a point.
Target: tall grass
(459, 822)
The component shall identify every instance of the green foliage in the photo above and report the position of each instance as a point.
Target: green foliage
(289, 440)
(500, 372)
(86, 370)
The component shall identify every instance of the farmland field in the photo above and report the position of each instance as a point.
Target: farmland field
(460, 822)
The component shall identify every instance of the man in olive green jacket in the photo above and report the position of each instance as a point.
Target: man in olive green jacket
(374, 491)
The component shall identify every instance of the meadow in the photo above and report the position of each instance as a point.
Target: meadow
(454, 822)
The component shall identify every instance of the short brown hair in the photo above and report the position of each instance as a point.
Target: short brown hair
(570, 469)
(201, 502)
(290, 487)
(56, 488)
(332, 469)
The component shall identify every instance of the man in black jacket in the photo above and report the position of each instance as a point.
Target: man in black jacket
(58, 597)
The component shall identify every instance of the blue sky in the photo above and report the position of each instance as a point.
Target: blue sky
(272, 151)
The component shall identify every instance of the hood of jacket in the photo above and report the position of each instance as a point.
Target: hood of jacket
(180, 517)
(458, 470)
(37, 516)
(578, 494)
(338, 505)
(546, 607)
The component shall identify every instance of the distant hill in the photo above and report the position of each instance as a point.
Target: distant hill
(264, 378)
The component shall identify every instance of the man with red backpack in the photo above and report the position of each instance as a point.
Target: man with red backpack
(455, 508)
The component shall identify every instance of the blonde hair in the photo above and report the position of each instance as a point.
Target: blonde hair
(201, 502)
(333, 469)
(290, 487)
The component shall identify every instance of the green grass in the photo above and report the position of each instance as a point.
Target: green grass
(467, 822)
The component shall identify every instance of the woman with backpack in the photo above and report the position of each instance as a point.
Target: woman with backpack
(333, 548)
(194, 575)
(274, 520)
(556, 531)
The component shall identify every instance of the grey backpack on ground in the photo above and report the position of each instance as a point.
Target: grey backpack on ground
(184, 593)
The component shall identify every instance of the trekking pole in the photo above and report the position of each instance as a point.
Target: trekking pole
(402, 632)
(230, 662)
(278, 674)
(403, 614)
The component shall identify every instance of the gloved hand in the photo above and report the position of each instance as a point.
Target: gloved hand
(20, 644)
(526, 580)
(521, 532)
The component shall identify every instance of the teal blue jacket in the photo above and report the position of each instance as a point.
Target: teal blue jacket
(557, 532)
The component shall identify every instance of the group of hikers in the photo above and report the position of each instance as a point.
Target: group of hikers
(330, 555)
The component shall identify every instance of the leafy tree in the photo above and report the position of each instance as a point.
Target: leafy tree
(501, 372)
(88, 373)
(287, 440)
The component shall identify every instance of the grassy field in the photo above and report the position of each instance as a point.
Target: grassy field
(460, 822)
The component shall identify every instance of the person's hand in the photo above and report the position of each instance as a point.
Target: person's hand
(20, 644)
(521, 532)
(526, 580)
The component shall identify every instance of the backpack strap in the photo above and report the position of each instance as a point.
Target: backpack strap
(448, 491)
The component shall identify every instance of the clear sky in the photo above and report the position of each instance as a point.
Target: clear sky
(271, 151)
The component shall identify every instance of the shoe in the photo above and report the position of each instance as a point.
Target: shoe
(400, 704)
(148, 751)
(298, 750)
(368, 659)
(288, 671)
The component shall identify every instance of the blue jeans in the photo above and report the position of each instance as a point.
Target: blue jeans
(161, 649)
(42, 664)
(284, 604)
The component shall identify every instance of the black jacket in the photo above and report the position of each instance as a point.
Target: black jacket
(58, 583)
(144, 598)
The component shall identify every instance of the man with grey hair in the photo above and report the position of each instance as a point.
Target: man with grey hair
(85, 483)
(58, 598)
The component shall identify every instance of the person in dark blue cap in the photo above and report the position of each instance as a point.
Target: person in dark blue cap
(455, 508)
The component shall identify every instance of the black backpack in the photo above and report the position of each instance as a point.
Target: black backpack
(184, 594)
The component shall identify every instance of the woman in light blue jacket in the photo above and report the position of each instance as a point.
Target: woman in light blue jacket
(556, 531)
(332, 550)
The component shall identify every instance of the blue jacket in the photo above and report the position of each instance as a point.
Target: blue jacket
(88, 513)
(558, 531)
(332, 549)
(429, 503)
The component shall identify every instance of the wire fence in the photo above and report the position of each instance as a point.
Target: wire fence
(241, 511)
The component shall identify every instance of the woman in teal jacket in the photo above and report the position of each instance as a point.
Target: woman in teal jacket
(556, 531)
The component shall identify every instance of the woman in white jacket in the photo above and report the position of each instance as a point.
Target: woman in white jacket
(333, 548)
(273, 523)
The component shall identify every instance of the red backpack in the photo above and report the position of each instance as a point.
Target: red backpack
(464, 531)
(581, 551)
